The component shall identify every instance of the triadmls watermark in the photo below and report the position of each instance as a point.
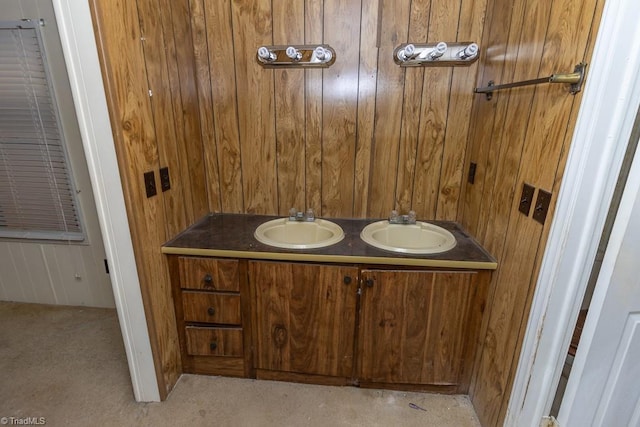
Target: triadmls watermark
(23, 421)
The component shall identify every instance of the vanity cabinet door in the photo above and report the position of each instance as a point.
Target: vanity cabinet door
(304, 317)
(415, 327)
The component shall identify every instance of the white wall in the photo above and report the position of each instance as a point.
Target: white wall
(57, 273)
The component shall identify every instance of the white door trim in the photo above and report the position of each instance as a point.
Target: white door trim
(591, 394)
(609, 105)
(81, 56)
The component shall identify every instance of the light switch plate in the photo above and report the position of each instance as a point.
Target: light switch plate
(150, 184)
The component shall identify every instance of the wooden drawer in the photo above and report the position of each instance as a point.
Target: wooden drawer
(208, 274)
(211, 308)
(203, 341)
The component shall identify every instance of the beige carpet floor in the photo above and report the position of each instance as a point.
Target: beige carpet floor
(68, 366)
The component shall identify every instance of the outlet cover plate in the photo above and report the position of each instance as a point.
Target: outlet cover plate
(542, 206)
(526, 199)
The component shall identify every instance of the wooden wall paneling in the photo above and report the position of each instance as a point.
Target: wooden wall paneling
(221, 45)
(411, 108)
(205, 102)
(181, 63)
(510, 129)
(545, 135)
(555, 190)
(493, 51)
(497, 202)
(289, 91)
(443, 23)
(541, 248)
(313, 34)
(164, 124)
(122, 59)
(470, 28)
(339, 105)
(388, 116)
(367, 78)
(252, 27)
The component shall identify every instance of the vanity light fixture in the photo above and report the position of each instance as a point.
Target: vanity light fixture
(439, 54)
(296, 56)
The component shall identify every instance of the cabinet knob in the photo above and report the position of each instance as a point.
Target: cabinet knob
(213, 346)
(347, 280)
(211, 311)
(208, 281)
(369, 283)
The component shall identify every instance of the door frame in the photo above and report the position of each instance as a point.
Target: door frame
(607, 113)
(85, 76)
(615, 275)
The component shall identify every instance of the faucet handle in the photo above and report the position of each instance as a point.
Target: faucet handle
(310, 215)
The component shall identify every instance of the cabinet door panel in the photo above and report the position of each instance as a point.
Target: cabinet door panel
(413, 326)
(305, 317)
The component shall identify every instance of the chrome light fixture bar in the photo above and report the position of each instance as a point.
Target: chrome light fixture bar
(436, 54)
(296, 56)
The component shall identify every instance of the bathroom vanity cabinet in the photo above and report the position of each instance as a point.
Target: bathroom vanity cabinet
(319, 318)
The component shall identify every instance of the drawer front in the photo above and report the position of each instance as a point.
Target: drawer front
(214, 341)
(209, 274)
(211, 308)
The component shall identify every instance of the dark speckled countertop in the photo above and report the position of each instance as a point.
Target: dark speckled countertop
(231, 235)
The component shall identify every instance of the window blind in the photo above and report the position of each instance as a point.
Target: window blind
(37, 196)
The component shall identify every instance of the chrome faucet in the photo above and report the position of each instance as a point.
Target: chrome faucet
(296, 215)
(394, 218)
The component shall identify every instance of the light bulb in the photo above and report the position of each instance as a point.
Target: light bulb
(406, 53)
(438, 51)
(469, 51)
(266, 54)
(293, 53)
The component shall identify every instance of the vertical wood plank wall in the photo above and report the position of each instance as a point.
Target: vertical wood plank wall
(354, 140)
(522, 135)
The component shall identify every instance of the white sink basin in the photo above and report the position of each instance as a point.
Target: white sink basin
(418, 238)
(283, 233)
